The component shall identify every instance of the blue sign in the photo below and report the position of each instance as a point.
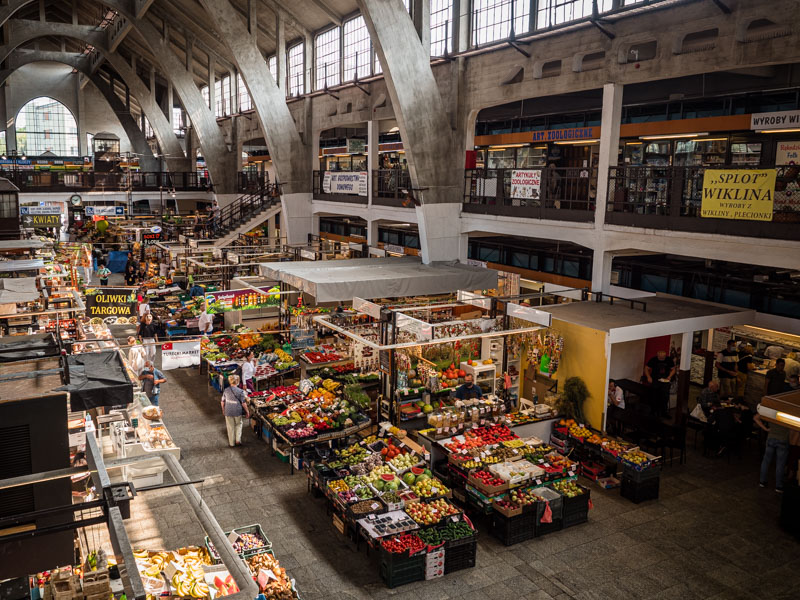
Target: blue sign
(105, 211)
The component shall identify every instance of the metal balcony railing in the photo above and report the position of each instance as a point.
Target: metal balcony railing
(672, 197)
(562, 194)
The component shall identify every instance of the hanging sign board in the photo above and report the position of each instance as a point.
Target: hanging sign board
(233, 258)
(787, 153)
(526, 184)
(366, 307)
(394, 249)
(39, 210)
(527, 313)
(175, 355)
(345, 182)
(775, 120)
(111, 302)
(474, 299)
(385, 361)
(149, 238)
(181, 239)
(356, 146)
(41, 221)
(247, 299)
(105, 211)
(741, 194)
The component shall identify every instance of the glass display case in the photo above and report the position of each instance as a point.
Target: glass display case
(746, 154)
(701, 153)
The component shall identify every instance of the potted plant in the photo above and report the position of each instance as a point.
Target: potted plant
(571, 400)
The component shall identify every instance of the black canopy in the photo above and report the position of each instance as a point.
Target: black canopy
(98, 379)
(28, 347)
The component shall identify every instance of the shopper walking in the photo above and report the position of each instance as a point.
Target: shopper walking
(136, 355)
(777, 448)
(144, 307)
(148, 335)
(151, 379)
(727, 370)
(103, 272)
(234, 407)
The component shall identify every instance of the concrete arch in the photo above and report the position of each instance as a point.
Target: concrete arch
(138, 141)
(222, 162)
(26, 31)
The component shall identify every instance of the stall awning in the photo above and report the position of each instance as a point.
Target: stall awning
(340, 280)
(97, 379)
(22, 289)
(8, 266)
(28, 347)
(6, 245)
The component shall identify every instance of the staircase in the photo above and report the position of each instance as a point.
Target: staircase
(246, 213)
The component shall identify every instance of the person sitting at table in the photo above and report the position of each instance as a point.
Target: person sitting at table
(709, 397)
(616, 396)
(468, 390)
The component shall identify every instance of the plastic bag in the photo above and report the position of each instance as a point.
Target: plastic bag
(547, 517)
(697, 413)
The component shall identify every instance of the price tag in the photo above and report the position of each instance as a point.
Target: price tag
(434, 510)
(374, 505)
(232, 537)
(438, 430)
(483, 421)
(538, 482)
(434, 491)
(572, 473)
(371, 517)
(454, 518)
(546, 464)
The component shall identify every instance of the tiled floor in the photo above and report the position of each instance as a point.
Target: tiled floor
(712, 534)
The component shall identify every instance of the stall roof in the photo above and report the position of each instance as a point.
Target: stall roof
(662, 316)
(8, 266)
(340, 280)
(22, 289)
(21, 245)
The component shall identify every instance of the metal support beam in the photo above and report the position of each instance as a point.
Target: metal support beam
(722, 6)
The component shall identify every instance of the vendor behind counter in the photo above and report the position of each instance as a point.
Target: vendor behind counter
(469, 389)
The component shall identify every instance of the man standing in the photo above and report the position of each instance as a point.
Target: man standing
(659, 372)
(727, 370)
(468, 390)
(776, 379)
(103, 272)
(778, 448)
(151, 379)
(205, 321)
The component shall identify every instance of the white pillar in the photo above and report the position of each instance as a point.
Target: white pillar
(373, 131)
(609, 146)
(372, 233)
(686, 351)
(601, 271)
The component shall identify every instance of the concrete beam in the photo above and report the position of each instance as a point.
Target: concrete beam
(142, 6)
(323, 5)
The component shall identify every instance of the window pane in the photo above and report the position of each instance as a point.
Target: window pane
(296, 69)
(272, 64)
(3, 142)
(46, 125)
(326, 53)
(204, 91)
(218, 98)
(226, 95)
(245, 101)
(441, 27)
(356, 49)
(491, 19)
(557, 12)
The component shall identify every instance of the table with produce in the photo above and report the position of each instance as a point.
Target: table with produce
(381, 491)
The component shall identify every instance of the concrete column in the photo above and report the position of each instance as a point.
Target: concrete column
(272, 232)
(170, 104)
(308, 63)
(601, 270)
(373, 131)
(252, 17)
(152, 81)
(79, 117)
(609, 147)
(280, 51)
(684, 377)
(440, 233)
(314, 151)
(372, 234)
(421, 14)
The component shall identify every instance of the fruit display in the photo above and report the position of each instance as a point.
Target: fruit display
(365, 507)
(638, 459)
(429, 488)
(429, 513)
(580, 432)
(321, 357)
(271, 577)
(246, 542)
(226, 586)
(570, 489)
(391, 451)
(488, 479)
(519, 499)
(408, 543)
(616, 447)
(415, 474)
(189, 580)
(338, 485)
(403, 462)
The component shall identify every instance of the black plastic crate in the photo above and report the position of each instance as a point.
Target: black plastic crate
(513, 530)
(576, 505)
(544, 528)
(576, 518)
(399, 569)
(461, 556)
(653, 472)
(640, 491)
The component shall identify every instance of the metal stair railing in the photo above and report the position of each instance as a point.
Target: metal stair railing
(248, 206)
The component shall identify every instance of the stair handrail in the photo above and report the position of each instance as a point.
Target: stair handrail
(248, 205)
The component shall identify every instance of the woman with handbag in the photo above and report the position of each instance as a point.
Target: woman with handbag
(234, 407)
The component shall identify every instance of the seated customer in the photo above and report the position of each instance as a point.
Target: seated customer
(709, 397)
(615, 395)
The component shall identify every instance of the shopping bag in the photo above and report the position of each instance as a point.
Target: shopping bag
(697, 413)
(547, 516)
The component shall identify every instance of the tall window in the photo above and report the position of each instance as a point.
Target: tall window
(296, 69)
(206, 96)
(556, 12)
(3, 142)
(272, 65)
(326, 58)
(356, 49)
(245, 101)
(491, 19)
(46, 125)
(441, 27)
(178, 123)
(148, 129)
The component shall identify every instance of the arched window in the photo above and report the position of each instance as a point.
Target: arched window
(46, 125)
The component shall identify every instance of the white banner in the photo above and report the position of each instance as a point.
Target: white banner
(527, 313)
(345, 182)
(785, 119)
(175, 355)
(422, 330)
(474, 299)
(526, 185)
(39, 210)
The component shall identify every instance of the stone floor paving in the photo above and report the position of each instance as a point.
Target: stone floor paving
(712, 534)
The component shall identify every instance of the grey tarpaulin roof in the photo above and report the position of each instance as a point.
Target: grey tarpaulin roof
(21, 244)
(22, 289)
(7, 266)
(334, 280)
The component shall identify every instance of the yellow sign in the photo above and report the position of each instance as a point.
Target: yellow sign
(743, 194)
